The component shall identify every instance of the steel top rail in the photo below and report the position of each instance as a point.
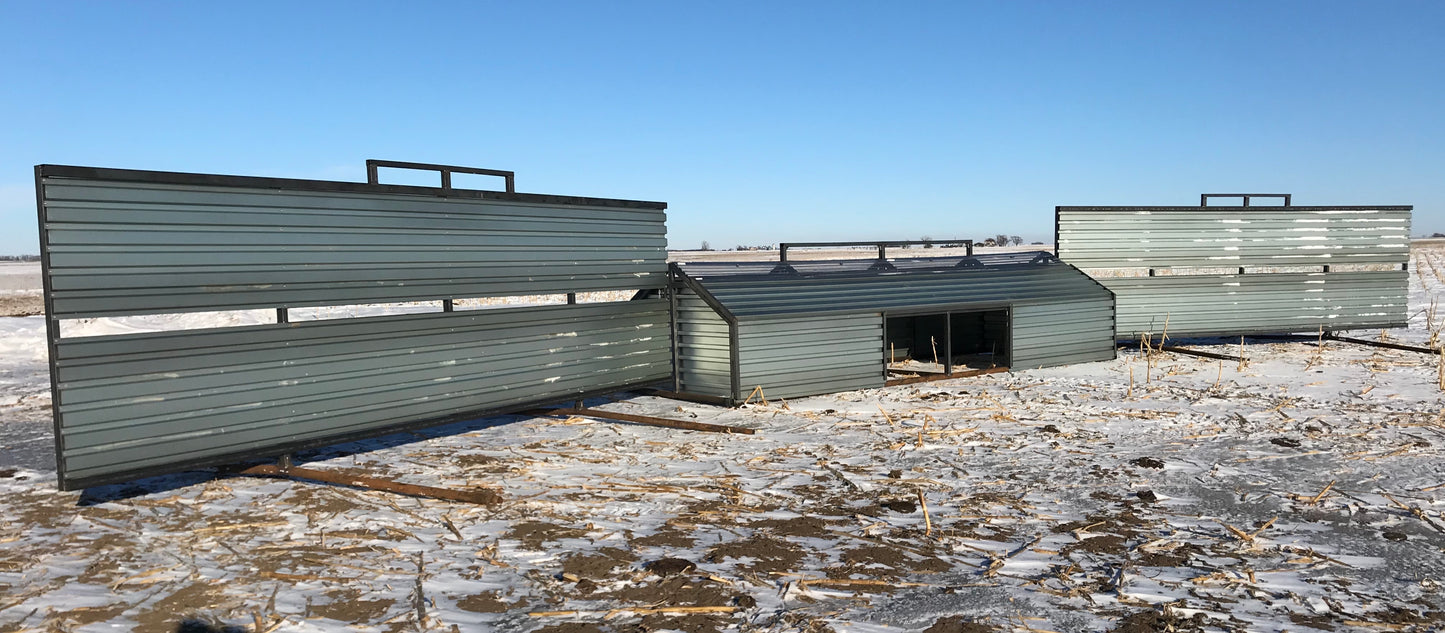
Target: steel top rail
(338, 186)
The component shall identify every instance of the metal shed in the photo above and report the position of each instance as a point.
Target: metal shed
(800, 328)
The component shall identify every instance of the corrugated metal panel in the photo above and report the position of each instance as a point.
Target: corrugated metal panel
(1166, 237)
(703, 348)
(134, 403)
(1207, 305)
(749, 291)
(183, 243)
(793, 357)
(1064, 333)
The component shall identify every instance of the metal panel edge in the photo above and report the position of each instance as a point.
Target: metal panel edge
(336, 186)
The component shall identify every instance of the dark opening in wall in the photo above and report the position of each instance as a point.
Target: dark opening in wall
(975, 339)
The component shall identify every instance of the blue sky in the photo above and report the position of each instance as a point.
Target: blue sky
(757, 123)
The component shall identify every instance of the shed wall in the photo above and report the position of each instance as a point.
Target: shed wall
(1062, 333)
(703, 348)
(803, 356)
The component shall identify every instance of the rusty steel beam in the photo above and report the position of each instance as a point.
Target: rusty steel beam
(651, 421)
(480, 496)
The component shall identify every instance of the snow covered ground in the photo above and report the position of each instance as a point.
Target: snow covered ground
(1300, 491)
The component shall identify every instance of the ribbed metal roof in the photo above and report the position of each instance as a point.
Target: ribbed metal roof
(769, 288)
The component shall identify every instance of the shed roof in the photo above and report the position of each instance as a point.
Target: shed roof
(756, 289)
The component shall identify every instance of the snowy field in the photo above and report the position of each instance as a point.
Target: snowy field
(1299, 491)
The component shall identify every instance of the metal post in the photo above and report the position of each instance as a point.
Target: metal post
(282, 316)
(571, 298)
(948, 343)
(446, 305)
(882, 252)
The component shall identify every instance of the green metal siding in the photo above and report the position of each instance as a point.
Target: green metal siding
(1349, 245)
(794, 357)
(1165, 237)
(124, 242)
(750, 292)
(1062, 333)
(137, 248)
(138, 402)
(703, 347)
(1207, 305)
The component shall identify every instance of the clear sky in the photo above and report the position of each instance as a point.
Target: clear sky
(756, 123)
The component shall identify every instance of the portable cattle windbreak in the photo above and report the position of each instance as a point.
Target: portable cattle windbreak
(799, 328)
(1212, 270)
(116, 243)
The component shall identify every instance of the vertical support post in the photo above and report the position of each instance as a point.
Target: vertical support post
(282, 316)
(446, 180)
(882, 252)
(1151, 272)
(672, 325)
(735, 362)
(285, 462)
(1241, 270)
(1326, 268)
(783, 252)
(571, 298)
(447, 305)
(948, 343)
(969, 245)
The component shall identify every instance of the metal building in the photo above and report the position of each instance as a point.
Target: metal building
(798, 328)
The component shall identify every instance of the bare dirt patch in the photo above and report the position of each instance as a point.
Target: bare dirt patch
(21, 304)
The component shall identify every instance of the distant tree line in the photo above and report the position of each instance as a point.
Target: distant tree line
(19, 258)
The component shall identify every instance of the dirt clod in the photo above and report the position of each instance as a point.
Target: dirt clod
(1153, 621)
(901, 506)
(1286, 442)
(1147, 496)
(1391, 535)
(533, 534)
(670, 566)
(766, 554)
(1148, 462)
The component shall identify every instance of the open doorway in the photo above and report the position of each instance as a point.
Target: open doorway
(946, 342)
